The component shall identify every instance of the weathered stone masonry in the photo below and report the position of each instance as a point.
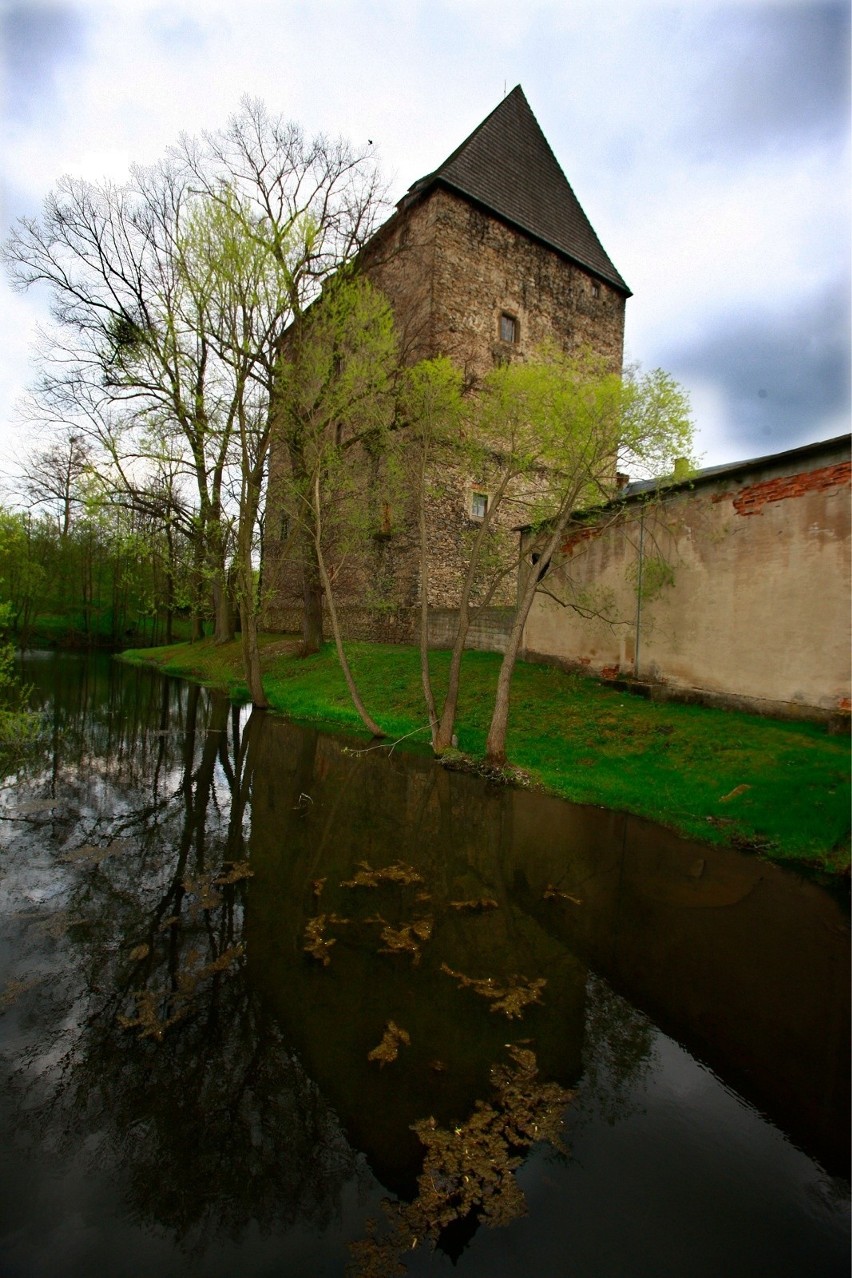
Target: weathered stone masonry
(755, 610)
(495, 231)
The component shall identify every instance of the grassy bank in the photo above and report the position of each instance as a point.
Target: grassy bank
(779, 788)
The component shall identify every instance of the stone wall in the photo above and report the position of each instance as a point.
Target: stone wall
(377, 584)
(483, 268)
(450, 271)
(746, 576)
(489, 630)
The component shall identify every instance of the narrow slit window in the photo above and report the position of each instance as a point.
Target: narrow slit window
(508, 328)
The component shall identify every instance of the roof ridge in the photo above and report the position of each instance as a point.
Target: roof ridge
(462, 145)
(507, 165)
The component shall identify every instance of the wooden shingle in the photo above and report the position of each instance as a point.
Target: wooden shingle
(506, 165)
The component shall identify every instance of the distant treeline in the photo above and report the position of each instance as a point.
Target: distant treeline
(110, 577)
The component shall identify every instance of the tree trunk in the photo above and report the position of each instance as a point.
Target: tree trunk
(425, 675)
(495, 746)
(311, 597)
(306, 544)
(366, 719)
(251, 657)
(223, 613)
(198, 592)
(444, 736)
(170, 583)
(246, 591)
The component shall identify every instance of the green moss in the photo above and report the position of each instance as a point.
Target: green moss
(778, 787)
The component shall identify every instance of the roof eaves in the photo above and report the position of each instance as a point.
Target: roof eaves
(708, 473)
(634, 492)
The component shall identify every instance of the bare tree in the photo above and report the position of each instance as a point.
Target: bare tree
(141, 336)
(310, 205)
(128, 344)
(53, 476)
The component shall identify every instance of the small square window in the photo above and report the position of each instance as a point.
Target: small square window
(508, 328)
(478, 505)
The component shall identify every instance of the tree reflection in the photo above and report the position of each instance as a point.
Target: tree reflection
(186, 1079)
(618, 1047)
(259, 930)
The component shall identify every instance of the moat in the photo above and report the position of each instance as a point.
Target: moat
(274, 1003)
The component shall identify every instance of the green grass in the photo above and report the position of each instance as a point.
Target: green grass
(582, 740)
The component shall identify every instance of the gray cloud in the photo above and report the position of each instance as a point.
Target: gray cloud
(770, 75)
(784, 378)
(35, 39)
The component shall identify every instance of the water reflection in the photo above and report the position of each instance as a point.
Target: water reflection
(260, 976)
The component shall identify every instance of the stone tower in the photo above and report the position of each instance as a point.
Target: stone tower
(486, 259)
(492, 254)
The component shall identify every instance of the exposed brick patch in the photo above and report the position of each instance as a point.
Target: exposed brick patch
(581, 535)
(610, 672)
(751, 500)
(844, 704)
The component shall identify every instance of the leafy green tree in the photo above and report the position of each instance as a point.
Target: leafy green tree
(560, 429)
(336, 407)
(25, 558)
(19, 725)
(245, 284)
(310, 205)
(544, 439)
(139, 358)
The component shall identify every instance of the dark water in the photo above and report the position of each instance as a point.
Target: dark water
(633, 1051)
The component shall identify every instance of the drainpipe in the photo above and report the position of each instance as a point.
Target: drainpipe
(639, 593)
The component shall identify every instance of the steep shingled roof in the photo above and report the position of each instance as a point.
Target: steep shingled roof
(507, 165)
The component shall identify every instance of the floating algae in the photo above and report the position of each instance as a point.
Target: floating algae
(366, 876)
(92, 854)
(552, 893)
(468, 1174)
(407, 938)
(156, 1011)
(233, 872)
(509, 999)
(388, 1049)
(316, 943)
(478, 906)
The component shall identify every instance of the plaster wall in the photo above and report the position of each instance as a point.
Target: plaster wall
(756, 611)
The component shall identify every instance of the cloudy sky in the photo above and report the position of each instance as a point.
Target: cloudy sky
(708, 143)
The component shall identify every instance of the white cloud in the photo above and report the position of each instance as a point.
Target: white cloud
(633, 97)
